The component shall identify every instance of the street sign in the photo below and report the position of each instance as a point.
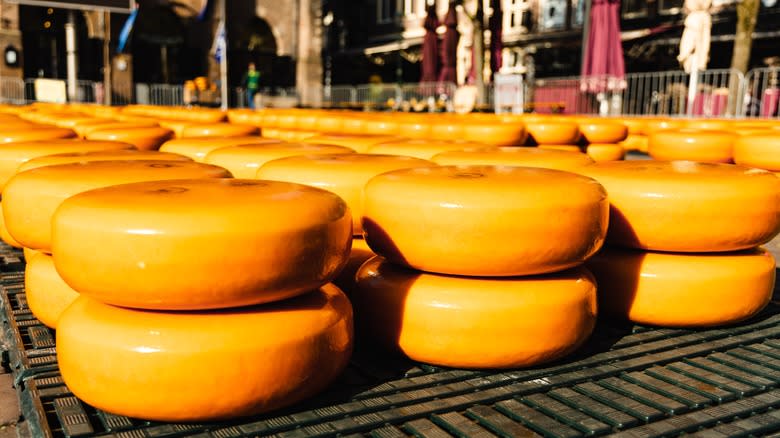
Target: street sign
(89, 5)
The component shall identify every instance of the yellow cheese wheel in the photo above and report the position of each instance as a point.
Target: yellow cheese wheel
(266, 241)
(359, 254)
(4, 234)
(692, 144)
(683, 290)
(31, 197)
(708, 124)
(685, 206)
(87, 127)
(652, 126)
(380, 126)
(559, 132)
(218, 130)
(30, 253)
(197, 148)
(495, 133)
(47, 294)
(15, 154)
(85, 157)
(474, 322)
(415, 128)
(244, 161)
(634, 142)
(758, 150)
(561, 147)
(177, 126)
(179, 366)
(34, 133)
(358, 143)
(448, 130)
(145, 139)
(603, 131)
(343, 174)
(424, 149)
(605, 152)
(484, 220)
(635, 126)
(514, 156)
(329, 123)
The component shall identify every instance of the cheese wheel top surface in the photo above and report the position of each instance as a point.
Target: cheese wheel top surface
(653, 125)
(84, 157)
(269, 240)
(687, 206)
(244, 160)
(514, 156)
(603, 131)
(495, 133)
(294, 348)
(33, 134)
(218, 130)
(760, 150)
(692, 144)
(12, 155)
(31, 197)
(198, 147)
(86, 127)
(358, 143)
(424, 149)
(484, 220)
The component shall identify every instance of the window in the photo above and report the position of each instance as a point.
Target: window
(552, 14)
(414, 8)
(634, 7)
(515, 13)
(385, 11)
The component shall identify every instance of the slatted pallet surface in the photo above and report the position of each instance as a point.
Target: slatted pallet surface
(628, 381)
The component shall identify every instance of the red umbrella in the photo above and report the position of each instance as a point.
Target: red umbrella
(430, 47)
(449, 47)
(495, 24)
(603, 68)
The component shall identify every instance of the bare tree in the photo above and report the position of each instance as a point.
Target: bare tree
(747, 15)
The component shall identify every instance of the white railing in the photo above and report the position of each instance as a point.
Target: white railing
(12, 90)
(761, 93)
(166, 94)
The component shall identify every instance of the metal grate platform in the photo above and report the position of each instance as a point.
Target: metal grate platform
(630, 381)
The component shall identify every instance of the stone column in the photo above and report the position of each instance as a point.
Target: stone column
(309, 52)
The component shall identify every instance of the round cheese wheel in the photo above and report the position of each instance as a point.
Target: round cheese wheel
(603, 131)
(692, 144)
(708, 124)
(178, 366)
(485, 221)
(561, 147)
(553, 132)
(358, 143)
(474, 322)
(449, 130)
(635, 126)
(177, 126)
(359, 254)
(34, 133)
(342, 174)
(31, 197)
(15, 154)
(651, 126)
(514, 156)
(605, 152)
(218, 130)
(424, 149)
(329, 123)
(198, 147)
(244, 161)
(47, 294)
(683, 290)
(87, 127)
(758, 150)
(266, 241)
(416, 128)
(85, 157)
(495, 133)
(4, 234)
(634, 143)
(684, 206)
(380, 126)
(145, 139)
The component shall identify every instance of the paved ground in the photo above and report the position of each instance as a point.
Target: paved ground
(9, 401)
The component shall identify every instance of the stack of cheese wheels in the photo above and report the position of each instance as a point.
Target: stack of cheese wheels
(165, 268)
(602, 138)
(344, 175)
(30, 199)
(702, 145)
(552, 132)
(759, 149)
(467, 276)
(684, 240)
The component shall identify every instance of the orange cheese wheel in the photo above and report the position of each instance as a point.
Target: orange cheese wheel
(329, 123)
(553, 132)
(85, 157)
(603, 131)
(358, 143)
(30, 253)
(15, 154)
(474, 322)
(424, 149)
(514, 156)
(177, 366)
(4, 234)
(709, 124)
(145, 139)
(652, 126)
(561, 147)
(47, 294)
(635, 126)
(380, 126)
(198, 147)
(34, 134)
(685, 206)
(31, 197)
(692, 144)
(343, 174)
(218, 130)
(495, 133)
(244, 161)
(758, 150)
(87, 127)
(605, 152)
(418, 128)
(177, 126)
(634, 142)
(483, 220)
(266, 241)
(450, 130)
(683, 290)
(359, 254)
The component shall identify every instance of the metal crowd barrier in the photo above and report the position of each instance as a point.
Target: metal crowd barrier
(166, 94)
(12, 90)
(761, 93)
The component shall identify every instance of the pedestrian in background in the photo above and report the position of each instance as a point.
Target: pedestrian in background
(251, 83)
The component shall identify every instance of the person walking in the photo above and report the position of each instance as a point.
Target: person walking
(251, 84)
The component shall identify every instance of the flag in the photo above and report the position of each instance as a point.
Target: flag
(124, 35)
(220, 43)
